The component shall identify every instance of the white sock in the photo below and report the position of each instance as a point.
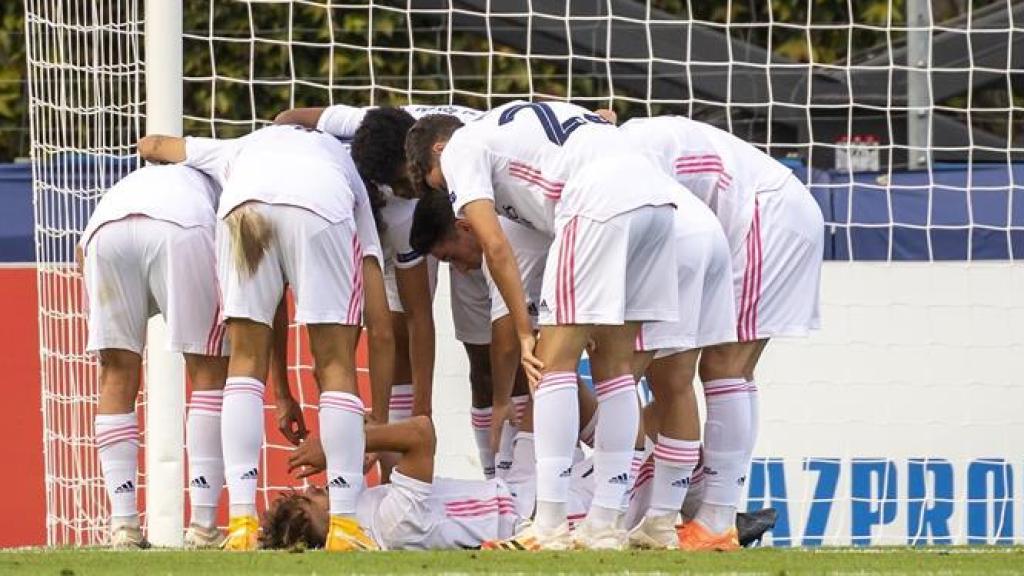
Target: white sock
(503, 459)
(754, 398)
(674, 461)
(241, 432)
(726, 439)
(344, 441)
(694, 494)
(205, 457)
(634, 472)
(587, 433)
(481, 420)
(117, 439)
(522, 476)
(400, 403)
(614, 439)
(556, 426)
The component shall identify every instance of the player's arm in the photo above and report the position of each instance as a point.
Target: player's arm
(162, 149)
(501, 263)
(414, 292)
(504, 367)
(380, 337)
(307, 117)
(289, 413)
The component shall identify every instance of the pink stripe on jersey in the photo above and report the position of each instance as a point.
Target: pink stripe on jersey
(355, 302)
(550, 188)
(614, 386)
(477, 508)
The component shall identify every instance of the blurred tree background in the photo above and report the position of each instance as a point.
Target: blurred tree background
(234, 84)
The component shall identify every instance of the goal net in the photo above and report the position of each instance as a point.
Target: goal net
(903, 116)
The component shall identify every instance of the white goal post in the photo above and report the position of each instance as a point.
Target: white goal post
(898, 423)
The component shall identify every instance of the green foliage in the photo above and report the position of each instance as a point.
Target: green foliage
(13, 97)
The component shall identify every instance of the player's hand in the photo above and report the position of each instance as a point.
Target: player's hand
(290, 421)
(308, 459)
(531, 364)
(500, 413)
(608, 115)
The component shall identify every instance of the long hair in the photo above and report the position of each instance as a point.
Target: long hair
(251, 235)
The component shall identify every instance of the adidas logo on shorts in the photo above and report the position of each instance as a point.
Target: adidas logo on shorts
(681, 483)
(543, 306)
(338, 482)
(620, 479)
(125, 488)
(199, 482)
(250, 475)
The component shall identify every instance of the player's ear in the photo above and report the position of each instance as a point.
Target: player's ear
(438, 147)
(463, 225)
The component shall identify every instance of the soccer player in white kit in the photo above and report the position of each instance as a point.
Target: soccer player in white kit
(566, 172)
(149, 248)
(775, 234)
(378, 137)
(293, 210)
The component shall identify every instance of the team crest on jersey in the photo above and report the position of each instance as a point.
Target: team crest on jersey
(451, 196)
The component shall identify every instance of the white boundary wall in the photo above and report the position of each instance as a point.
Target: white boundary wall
(909, 400)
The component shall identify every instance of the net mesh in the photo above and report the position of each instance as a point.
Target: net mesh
(855, 93)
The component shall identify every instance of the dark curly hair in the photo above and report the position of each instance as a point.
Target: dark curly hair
(287, 525)
(378, 150)
(419, 146)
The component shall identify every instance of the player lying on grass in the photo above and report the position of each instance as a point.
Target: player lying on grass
(563, 171)
(418, 511)
(149, 248)
(293, 210)
(377, 138)
(671, 349)
(775, 235)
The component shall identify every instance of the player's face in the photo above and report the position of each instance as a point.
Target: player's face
(435, 178)
(317, 507)
(460, 249)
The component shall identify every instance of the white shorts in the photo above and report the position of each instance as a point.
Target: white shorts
(448, 514)
(391, 285)
(321, 261)
(777, 272)
(707, 313)
(139, 266)
(471, 307)
(622, 269)
(531, 251)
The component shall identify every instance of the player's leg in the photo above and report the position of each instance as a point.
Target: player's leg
(118, 312)
(641, 243)
(203, 447)
(471, 309)
(250, 275)
(186, 291)
(401, 399)
(324, 265)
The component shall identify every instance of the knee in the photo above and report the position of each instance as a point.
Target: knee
(423, 427)
(717, 363)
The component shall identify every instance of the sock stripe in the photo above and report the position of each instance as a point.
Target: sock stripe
(342, 401)
(726, 390)
(614, 386)
(106, 441)
(234, 388)
(663, 456)
(557, 378)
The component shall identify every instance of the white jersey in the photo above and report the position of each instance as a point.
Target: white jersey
(446, 514)
(175, 194)
(541, 162)
(721, 169)
(342, 121)
(288, 165)
(398, 253)
(531, 251)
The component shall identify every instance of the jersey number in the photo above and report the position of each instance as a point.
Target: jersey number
(557, 132)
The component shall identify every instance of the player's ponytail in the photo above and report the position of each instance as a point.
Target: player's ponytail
(250, 237)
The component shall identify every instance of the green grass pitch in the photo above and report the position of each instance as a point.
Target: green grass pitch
(67, 562)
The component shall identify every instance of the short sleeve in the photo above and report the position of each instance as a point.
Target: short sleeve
(211, 156)
(467, 169)
(396, 234)
(341, 121)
